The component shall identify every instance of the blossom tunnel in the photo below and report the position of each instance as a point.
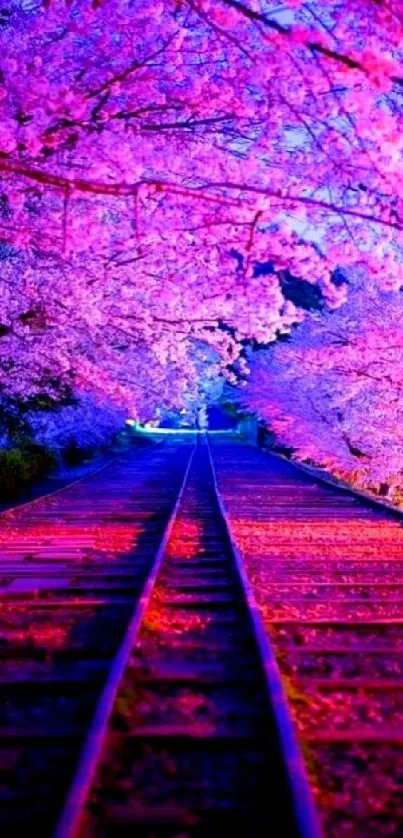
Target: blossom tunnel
(203, 206)
(201, 230)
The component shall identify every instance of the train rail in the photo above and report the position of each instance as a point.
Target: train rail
(186, 739)
(72, 567)
(327, 569)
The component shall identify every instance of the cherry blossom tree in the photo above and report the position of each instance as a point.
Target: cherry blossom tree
(59, 348)
(87, 424)
(333, 392)
(306, 121)
(150, 162)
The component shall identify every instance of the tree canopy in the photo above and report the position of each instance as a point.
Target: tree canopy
(150, 162)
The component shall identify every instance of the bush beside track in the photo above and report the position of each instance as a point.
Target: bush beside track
(21, 467)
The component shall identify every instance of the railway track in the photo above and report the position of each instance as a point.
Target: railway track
(72, 568)
(186, 740)
(328, 572)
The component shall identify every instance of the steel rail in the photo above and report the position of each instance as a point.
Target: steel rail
(305, 812)
(69, 821)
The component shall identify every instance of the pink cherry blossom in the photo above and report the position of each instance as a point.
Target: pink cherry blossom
(149, 162)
